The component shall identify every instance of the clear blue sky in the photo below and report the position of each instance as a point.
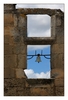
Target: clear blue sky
(43, 66)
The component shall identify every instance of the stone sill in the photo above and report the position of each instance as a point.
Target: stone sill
(39, 82)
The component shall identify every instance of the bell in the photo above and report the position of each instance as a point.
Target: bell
(38, 59)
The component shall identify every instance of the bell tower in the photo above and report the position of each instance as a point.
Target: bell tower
(15, 53)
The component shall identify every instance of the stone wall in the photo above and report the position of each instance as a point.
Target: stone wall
(15, 53)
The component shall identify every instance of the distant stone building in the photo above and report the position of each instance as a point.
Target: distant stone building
(15, 53)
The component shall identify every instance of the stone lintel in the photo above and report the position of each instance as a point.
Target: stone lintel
(38, 40)
(50, 12)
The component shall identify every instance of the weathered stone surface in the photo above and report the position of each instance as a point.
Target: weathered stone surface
(6, 39)
(9, 31)
(9, 40)
(57, 60)
(59, 91)
(20, 91)
(10, 91)
(18, 86)
(13, 40)
(9, 73)
(57, 73)
(10, 61)
(59, 82)
(37, 91)
(8, 49)
(53, 26)
(9, 6)
(59, 39)
(58, 20)
(14, 82)
(42, 91)
(15, 20)
(22, 21)
(19, 49)
(39, 82)
(22, 61)
(39, 40)
(50, 12)
(8, 20)
(56, 48)
(20, 73)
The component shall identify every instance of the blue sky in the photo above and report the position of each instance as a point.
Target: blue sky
(39, 26)
(43, 66)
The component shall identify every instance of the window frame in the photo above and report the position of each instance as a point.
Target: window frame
(39, 40)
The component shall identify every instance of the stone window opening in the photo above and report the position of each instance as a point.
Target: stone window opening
(38, 25)
(37, 39)
(37, 70)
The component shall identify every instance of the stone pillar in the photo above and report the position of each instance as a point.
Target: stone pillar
(57, 55)
(14, 47)
(10, 59)
(20, 47)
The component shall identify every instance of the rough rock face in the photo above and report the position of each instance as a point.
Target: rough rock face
(15, 52)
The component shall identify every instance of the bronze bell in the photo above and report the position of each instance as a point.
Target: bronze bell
(38, 59)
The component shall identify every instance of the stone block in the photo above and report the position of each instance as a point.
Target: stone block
(19, 49)
(57, 73)
(10, 91)
(14, 82)
(42, 91)
(60, 39)
(20, 73)
(59, 82)
(22, 21)
(9, 31)
(59, 36)
(6, 39)
(15, 20)
(8, 49)
(20, 91)
(57, 48)
(13, 40)
(10, 61)
(22, 61)
(8, 20)
(23, 31)
(37, 91)
(15, 32)
(57, 60)
(58, 21)
(9, 40)
(22, 40)
(9, 73)
(59, 91)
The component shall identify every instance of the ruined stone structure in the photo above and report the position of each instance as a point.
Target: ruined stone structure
(15, 53)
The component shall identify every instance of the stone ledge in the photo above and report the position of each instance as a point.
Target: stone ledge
(39, 82)
(50, 12)
(39, 40)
